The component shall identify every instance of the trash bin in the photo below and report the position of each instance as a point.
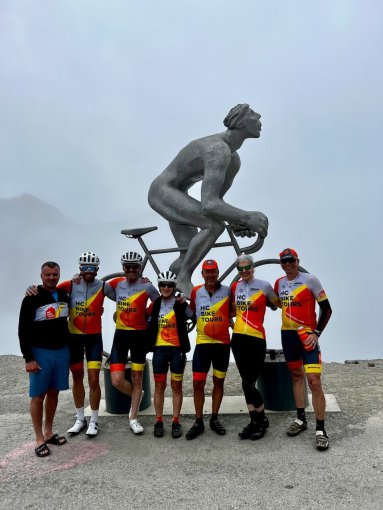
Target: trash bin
(119, 403)
(275, 383)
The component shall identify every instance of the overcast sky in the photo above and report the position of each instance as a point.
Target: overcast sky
(97, 97)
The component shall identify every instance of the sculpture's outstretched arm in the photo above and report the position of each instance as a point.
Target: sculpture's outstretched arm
(219, 173)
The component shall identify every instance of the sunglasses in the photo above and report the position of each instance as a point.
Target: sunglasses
(129, 267)
(288, 261)
(89, 269)
(244, 268)
(168, 285)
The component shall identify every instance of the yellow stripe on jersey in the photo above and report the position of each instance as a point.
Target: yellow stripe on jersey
(298, 290)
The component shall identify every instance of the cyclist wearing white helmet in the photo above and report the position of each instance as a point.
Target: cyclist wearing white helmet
(169, 341)
(88, 258)
(132, 294)
(87, 295)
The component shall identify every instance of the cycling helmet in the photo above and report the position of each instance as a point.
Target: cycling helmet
(167, 277)
(89, 258)
(131, 257)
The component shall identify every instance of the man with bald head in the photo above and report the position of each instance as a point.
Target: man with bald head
(214, 161)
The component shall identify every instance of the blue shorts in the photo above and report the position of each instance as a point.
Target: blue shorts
(54, 373)
(296, 355)
(165, 356)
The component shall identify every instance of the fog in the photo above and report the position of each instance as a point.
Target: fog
(98, 97)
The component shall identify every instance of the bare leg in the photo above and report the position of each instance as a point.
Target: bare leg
(94, 388)
(177, 397)
(36, 410)
(199, 397)
(217, 394)
(251, 407)
(137, 376)
(158, 400)
(78, 390)
(298, 377)
(119, 382)
(51, 401)
(319, 400)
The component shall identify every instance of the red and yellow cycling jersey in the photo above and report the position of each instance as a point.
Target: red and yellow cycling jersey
(213, 314)
(249, 301)
(298, 298)
(86, 305)
(167, 335)
(131, 300)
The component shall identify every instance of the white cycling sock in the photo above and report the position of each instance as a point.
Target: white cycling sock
(80, 413)
(94, 416)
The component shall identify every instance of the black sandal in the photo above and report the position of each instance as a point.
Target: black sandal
(56, 440)
(42, 450)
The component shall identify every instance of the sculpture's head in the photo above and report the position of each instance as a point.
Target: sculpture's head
(242, 116)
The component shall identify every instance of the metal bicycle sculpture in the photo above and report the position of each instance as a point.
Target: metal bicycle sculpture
(138, 233)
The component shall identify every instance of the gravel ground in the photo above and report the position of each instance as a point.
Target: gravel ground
(212, 472)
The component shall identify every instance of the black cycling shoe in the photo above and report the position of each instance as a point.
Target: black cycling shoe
(158, 429)
(258, 433)
(266, 422)
(247, 431)
(176, 430)
(260, 429)
(196, 430)
(253, 428)
(217, 426)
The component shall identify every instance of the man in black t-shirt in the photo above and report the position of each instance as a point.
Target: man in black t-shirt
(44, 334)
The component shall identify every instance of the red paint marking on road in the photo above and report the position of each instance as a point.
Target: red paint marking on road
(17, 452)
(22, 462)
(84, 454)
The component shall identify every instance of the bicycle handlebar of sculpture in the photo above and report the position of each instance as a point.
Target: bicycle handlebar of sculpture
(137, 233)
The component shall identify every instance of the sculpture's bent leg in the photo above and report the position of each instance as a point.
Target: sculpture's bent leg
(199, 247)
(185, 218)
(183, 234)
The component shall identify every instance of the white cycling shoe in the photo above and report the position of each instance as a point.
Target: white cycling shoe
(136, 427)
(92, 429)
(78, 426)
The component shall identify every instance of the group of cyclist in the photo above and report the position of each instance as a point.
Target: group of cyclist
(161, 328)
